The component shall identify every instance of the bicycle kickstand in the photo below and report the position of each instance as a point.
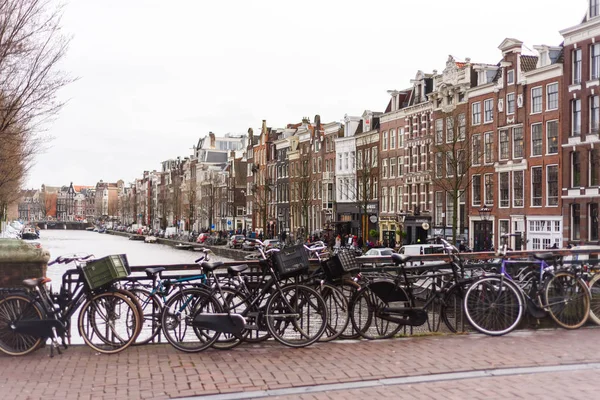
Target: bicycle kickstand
(54, 343)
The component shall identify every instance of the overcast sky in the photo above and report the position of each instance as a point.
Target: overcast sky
(154, 76)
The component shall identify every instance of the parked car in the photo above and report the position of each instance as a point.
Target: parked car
(376, 252)
(271, 243)
(248, 245)
(202, 237)
(236, 241)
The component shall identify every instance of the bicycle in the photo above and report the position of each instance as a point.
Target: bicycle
(385, 303)
(108, 322)
(495, 304)
(152, 297)
(294, 314)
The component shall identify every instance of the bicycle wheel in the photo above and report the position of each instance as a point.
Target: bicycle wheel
(296, 315)
(366, 316)
(234, 302)
(136, 302)
(493, 305)
(337, 311)
(177, 317)
(151, 308)
(567, 299)
(109, 322)
(14, 308)
(452, 312)
(594, 285)
(348, 288)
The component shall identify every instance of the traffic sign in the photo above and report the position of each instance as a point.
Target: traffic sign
(212, 226)
(228, 222)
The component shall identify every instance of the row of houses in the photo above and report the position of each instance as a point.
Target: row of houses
(474, 151)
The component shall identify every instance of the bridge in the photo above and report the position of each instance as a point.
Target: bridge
(74, 225)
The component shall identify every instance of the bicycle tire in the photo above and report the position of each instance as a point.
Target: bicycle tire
(16, 307)
(567, 299)
(302, 329)
(105, 310)
(151, 308)
(494, 305)
(594, 286)
(179, 311)
(452, 313)
(137, 304)
(363, 316)
(338, 316)
(349, 288)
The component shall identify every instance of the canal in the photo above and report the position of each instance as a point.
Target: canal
(63, 242)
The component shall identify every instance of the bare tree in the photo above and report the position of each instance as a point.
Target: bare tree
(366, 176)
(192, 203)
(31, 47)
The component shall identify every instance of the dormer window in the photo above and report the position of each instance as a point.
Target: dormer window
(594, 8)
(510, 77)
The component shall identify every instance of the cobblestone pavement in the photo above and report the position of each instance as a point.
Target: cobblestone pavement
(160, 372)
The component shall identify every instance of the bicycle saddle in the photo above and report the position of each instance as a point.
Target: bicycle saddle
(35, 282)
(154, 271)
(235, 269)
(400, 258)
(544, 256)
(211, 266)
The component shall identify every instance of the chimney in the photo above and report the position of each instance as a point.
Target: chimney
(263, 129)
(212, 140)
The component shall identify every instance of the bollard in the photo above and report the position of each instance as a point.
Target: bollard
(20, 260)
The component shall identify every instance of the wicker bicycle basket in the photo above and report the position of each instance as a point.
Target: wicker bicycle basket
(291, 261)
(105, 270)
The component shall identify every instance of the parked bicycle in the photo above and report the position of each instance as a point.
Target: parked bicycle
(495, 304)
(109, 318)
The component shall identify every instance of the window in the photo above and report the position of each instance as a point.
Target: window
(488, 146)
(503, 225)
(536, 186)
(536, 100)
(518, 142)
(552, 96)
(504, 189)
(352, 161)
(373, 157)
(449, 208)
(476, 114)
(384, 198)
(552, 177)
(594, 171)
(339, 162)
(400, 199)
(384, 168)
(439, 164)
(393, 167)
(504, 151)
(400, 138)
(510, 77)
(385, 140)
(476, 149)
(575, 222)
(439, 131)
(518, 194)
(450, 164)
(489, 189)
(439, 208)
(400, 166)
(392, 139)
(536, 139)
(360, 159)
(510, 103)
(593, 213)
(345, 161)
(575, 117)
(392, 201)
(449, 130)
(576, 59)
(595, 61)
(488, 110)
(462, 127)
(594, 8)
(575, 170)
(476, 190)
(552, 136)
(594, 113)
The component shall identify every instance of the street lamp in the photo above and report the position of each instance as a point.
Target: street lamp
(485, 212)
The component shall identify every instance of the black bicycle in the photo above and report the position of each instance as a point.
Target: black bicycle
(109, 318)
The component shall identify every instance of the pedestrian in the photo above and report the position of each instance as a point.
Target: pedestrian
(338, 242)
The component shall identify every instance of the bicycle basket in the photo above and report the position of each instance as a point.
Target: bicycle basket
(340, 264)
(105, 270)
(291, 261)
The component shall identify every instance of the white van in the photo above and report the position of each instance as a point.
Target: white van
(583, 257)
(425, 248)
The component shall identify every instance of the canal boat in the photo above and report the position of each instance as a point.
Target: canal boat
(183, 246)
(150, 239)
(137, 237)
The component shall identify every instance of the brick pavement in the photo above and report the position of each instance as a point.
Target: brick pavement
(160, 372)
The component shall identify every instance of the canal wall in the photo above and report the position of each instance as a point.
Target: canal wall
(221, 251)
(20, 260)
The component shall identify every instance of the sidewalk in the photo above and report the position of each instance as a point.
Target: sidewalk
(161, 372)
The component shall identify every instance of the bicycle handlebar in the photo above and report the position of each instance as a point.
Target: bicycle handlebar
(68, 260)
(315, 249)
